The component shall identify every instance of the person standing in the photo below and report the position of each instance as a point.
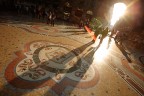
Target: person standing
(53, 18)
(47, 16)
(81, 23)
(87, 22)
(50, 17)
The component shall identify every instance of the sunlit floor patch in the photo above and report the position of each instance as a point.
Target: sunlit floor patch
(102, 50)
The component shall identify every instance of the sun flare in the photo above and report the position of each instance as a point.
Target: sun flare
(118, 11)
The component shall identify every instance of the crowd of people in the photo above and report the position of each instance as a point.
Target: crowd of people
(50, 11)
(40, 12)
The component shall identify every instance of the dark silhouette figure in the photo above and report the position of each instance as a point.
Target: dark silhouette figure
(52, 17)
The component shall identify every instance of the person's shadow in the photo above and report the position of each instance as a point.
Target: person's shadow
(124, 52)
(57, 88)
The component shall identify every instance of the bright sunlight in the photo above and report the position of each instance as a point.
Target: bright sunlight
(118, 11)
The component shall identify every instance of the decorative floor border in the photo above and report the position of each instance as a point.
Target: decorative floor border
(127, 78)
(126, 64)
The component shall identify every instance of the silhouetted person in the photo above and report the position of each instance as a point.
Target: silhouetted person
(52, 17)
(81, 23)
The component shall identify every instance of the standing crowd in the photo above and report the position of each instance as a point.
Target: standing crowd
(39, 12)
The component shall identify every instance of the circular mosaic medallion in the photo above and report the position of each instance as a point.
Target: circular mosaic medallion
(49, 58)
(43, 63)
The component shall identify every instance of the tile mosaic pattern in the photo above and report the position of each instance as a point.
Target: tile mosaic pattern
(29, 69)
(44, 63)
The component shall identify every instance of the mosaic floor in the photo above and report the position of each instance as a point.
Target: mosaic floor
(40, 60)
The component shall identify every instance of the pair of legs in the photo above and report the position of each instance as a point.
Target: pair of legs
(50, 21)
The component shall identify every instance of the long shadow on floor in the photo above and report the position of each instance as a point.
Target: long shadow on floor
(124, 52)
(70, 85)
(35, 72)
